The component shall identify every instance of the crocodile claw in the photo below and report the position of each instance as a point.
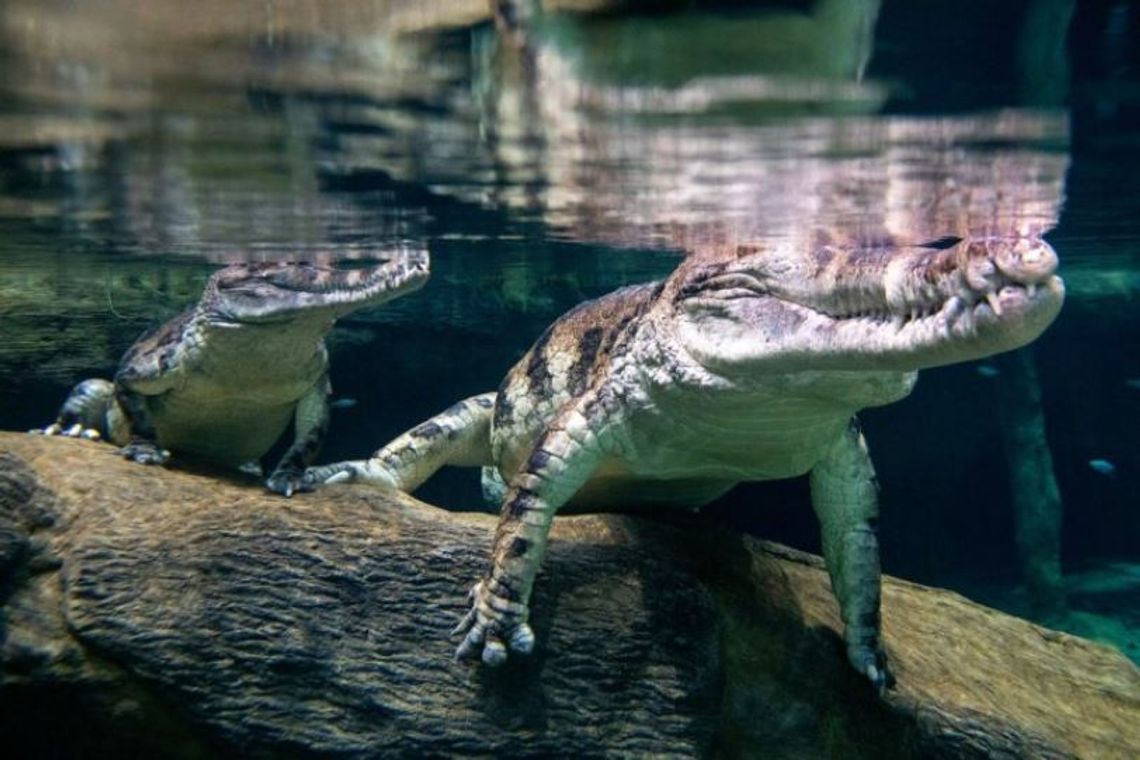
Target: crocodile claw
(492, 629)
(73, 431)
(145, 452)
(314, 477)
(288, 482)
(873, 666)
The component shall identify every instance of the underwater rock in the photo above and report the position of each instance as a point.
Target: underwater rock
(150, 608)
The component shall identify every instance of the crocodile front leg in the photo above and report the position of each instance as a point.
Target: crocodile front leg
(143, 444)
(845, 496)
(459, 436)
(560, 462)
(143, 374)
(311, 425)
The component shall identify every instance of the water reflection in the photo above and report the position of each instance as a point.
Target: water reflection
(235, 152)
(281, 134)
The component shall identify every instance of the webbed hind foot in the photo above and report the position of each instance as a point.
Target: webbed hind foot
(84, 413)
(73, 431)
(493, 628)
(343, 472)
(288, 482)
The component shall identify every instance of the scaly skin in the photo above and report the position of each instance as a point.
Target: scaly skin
(223, 380)
(743, 365)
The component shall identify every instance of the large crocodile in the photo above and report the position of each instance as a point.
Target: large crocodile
(743, 365)
(223, 380)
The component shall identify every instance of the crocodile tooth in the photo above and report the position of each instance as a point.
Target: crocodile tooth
(897, 321)
(968, 321)
(954, 308)
(992, 300)
(1030, 289)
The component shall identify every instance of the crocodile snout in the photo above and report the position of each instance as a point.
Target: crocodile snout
(1027, 261)
(993, 263)
(990, 267)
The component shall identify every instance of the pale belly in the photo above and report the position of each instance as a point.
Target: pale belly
(228, 429)
(686, 462)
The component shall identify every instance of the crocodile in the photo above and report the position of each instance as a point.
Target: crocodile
(223, 380)
(745, 364)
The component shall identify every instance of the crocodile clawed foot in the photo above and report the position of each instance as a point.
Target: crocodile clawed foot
(252, 469)
(72, 431)
(288, 482)
(144, 452)
(315, 477)
(492, 628)
(872, 664)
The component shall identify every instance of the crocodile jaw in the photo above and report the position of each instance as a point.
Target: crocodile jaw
(887, 309)
(254, 293)
(961, 330)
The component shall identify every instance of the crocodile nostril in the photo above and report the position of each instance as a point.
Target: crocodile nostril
(980, 274)
(1030, 262)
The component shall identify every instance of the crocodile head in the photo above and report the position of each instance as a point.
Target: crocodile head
(270, 293)
(898, 308)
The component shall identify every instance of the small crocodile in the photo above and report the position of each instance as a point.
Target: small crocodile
(744, 365)
(223, 380)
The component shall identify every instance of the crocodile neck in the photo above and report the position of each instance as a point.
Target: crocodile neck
(698, 422)
(245, 350)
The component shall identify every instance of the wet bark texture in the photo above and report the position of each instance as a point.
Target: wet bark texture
(150, 610)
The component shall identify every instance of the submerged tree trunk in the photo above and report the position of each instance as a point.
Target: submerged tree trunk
(162, 612)
(1037, 506)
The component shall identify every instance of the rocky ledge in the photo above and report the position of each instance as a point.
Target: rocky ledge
(174, 613)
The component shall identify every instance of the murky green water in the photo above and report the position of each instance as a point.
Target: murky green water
(137, 157)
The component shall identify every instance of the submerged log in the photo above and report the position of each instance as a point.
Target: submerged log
(1038, 512)
(177, 613)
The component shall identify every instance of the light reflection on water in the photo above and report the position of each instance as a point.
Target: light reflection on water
(236, 155)
(135, 157)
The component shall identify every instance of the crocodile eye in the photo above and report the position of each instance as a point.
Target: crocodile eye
(231, 276)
